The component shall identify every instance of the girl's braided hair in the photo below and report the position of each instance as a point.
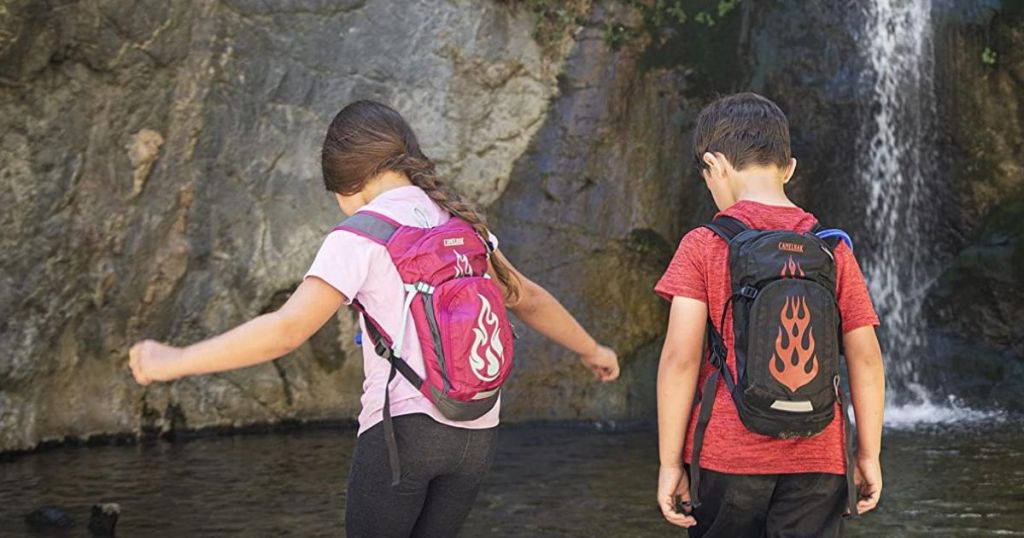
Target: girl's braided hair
(367, 138)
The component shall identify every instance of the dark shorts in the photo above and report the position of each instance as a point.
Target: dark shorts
(807, 505)
(442, 468)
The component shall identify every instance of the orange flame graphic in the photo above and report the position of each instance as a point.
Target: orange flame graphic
(791, 269)
(794, 363)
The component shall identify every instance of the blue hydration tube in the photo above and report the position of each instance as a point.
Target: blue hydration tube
(836, 232)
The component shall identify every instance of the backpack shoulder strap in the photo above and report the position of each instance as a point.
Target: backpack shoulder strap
(726, 227)
(373, 226)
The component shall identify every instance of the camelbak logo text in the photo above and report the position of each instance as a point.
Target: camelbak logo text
(485, 356)
(455, 242)
(791, 247)
(462, 266)
(794, 363)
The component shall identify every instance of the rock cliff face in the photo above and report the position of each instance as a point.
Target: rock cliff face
(160, 178)
(593, 213)
(977, 305)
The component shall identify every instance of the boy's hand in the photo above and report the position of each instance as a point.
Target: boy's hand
(603, 362)
(149, 361)
(868, 478)
(673, 482)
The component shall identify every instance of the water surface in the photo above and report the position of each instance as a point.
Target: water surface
(548, 481)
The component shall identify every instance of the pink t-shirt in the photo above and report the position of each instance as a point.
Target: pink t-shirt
(361, 269)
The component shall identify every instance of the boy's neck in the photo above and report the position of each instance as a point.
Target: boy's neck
(764, 187)
(766, 198)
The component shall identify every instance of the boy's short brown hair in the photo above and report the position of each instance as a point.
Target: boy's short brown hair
(747, 128)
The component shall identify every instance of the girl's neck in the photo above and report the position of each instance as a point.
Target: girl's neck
(384, 182)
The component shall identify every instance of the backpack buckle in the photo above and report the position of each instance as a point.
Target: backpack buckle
(382, 350)
(749, 292)
(718, 355)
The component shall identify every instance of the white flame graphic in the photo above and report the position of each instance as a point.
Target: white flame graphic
(462, 266)
(491, 344)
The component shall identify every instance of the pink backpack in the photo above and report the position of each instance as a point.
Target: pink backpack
(457, 310)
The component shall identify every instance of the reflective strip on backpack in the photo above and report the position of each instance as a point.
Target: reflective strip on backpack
(798, 406)
(412, 290)
(485, 394)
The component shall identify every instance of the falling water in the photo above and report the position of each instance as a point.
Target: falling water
(898, 165)
(897, 160)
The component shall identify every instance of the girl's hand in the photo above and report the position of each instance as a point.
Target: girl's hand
(150, 361)
(673, 495)
(603, 362)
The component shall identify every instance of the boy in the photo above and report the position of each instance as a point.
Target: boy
(752, 484)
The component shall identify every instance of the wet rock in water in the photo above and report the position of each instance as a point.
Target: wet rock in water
(104, 519)
(49, 517)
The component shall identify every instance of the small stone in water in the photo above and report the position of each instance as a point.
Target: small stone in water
(104, 519)
(50, 517)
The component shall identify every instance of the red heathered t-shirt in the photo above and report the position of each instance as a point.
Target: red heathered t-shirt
(700, 270)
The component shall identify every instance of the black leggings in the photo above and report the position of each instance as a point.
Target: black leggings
(442, 468)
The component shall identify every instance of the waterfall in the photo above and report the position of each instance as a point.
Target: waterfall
(898, 166)
(897, 161)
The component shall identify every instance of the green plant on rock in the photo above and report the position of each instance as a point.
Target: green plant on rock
(676, 12)
(667, 25)
(615, 35)
(705, 18)
(664, 19)
(554, 17)
(664, 12)
(725, 6)
(989, 56)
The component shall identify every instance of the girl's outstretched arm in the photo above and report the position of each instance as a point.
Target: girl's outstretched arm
(539, 310)
(259, 340)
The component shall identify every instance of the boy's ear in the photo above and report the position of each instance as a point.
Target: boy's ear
(715, 164)
(790, 170)
(709, 160)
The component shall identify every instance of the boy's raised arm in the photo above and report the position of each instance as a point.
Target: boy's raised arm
(867, 391)
(678, 371)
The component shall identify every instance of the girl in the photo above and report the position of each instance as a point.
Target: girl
(372, 160)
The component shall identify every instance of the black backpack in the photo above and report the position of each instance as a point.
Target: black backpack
(788, 337)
